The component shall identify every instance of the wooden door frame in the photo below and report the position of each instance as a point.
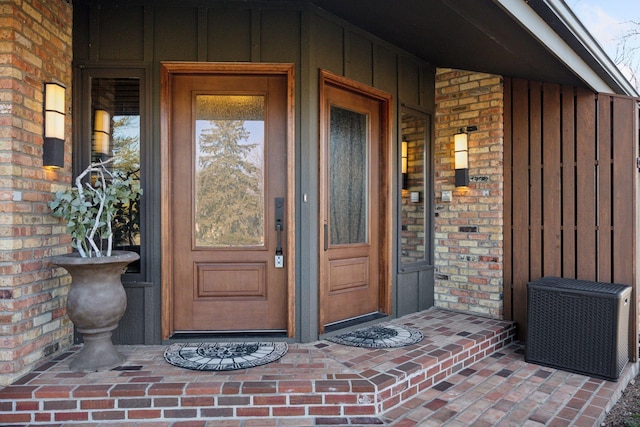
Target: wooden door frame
(385, 251)
(168, 70)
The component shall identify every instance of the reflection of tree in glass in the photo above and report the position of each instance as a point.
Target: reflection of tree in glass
(229, 187)
(126, 143)
(126, 151)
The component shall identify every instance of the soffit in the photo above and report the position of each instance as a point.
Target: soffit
(473, 35)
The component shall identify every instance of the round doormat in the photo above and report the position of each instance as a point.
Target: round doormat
(380, 336)
(224, 356)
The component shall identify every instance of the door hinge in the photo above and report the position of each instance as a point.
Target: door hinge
(638, 163)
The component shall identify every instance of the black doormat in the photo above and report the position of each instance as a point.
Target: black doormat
(380, 336)
(224, 356)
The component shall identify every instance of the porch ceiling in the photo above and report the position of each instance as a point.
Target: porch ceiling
(476, 35)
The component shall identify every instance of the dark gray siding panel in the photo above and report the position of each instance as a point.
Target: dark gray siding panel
(428, 89)
(135, 326)
(330, 46)
(280, 36)
(81, 18)
(409, 82)
(415, 291)
(385, 71)
(124, 25)
(229, 35)
(175, 34)
(425, 293)
(359, 59)
(407, 293)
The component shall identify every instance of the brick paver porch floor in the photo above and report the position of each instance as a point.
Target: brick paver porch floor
(467, 371)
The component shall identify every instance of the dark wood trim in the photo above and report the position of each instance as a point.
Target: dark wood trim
(625, 205)
(585, 185)
(568, 182)
(507, 284)
(552, 191)
(166, 315)
(291, 196)
(535, 179)
(520, 218)
(167, 71)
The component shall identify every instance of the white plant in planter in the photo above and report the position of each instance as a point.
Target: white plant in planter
(90, 208)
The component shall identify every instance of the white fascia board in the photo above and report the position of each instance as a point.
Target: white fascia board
(577, 28)
(532, 22)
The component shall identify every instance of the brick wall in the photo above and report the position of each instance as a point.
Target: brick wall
(35, 47)
(469, 229)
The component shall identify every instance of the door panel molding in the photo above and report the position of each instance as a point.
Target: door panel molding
(348, 273)
(170, 70)
(383, 170)
(249, 280)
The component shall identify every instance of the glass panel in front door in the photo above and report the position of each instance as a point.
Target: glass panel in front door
(229, 171)
(348, 177)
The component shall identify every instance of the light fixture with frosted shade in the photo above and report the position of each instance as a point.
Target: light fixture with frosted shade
(461, 159)
(54, 126)
(101, 132)
(405, 161)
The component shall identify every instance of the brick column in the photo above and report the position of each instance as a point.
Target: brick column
(469, 229)
(35, 47)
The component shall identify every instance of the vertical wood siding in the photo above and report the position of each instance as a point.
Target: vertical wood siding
(571, 199)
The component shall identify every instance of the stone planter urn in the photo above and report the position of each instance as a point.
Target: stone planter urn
(95, 304)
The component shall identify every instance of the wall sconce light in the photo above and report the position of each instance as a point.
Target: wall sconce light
(405, 163)
(101, 132)
(54, 112)
(461, 155)
(461, 159)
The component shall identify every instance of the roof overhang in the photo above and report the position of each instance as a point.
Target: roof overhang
(565, 36)
(535, 39)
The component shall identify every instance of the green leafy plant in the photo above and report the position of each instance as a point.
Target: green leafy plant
(632, 421)
(90, 207)
(126, 222)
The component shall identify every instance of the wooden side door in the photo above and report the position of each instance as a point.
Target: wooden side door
(352, 202)
(228, 201)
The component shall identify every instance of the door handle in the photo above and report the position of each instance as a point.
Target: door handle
(279, 205)
(326, 237)
(279, 216)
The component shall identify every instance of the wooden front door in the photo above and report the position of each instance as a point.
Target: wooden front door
(352, 201)
(228, 201)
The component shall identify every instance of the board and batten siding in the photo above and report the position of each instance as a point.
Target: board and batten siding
(141, 34)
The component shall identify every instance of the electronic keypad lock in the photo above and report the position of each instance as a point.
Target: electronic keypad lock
(279, 216)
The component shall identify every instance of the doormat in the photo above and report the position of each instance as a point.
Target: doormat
(224, 356)
(380, 336)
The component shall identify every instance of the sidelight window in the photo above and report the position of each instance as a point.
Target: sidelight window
(116, 136)
(415, 219)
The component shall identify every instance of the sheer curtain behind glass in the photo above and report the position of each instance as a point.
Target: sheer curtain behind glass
(348, 177)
